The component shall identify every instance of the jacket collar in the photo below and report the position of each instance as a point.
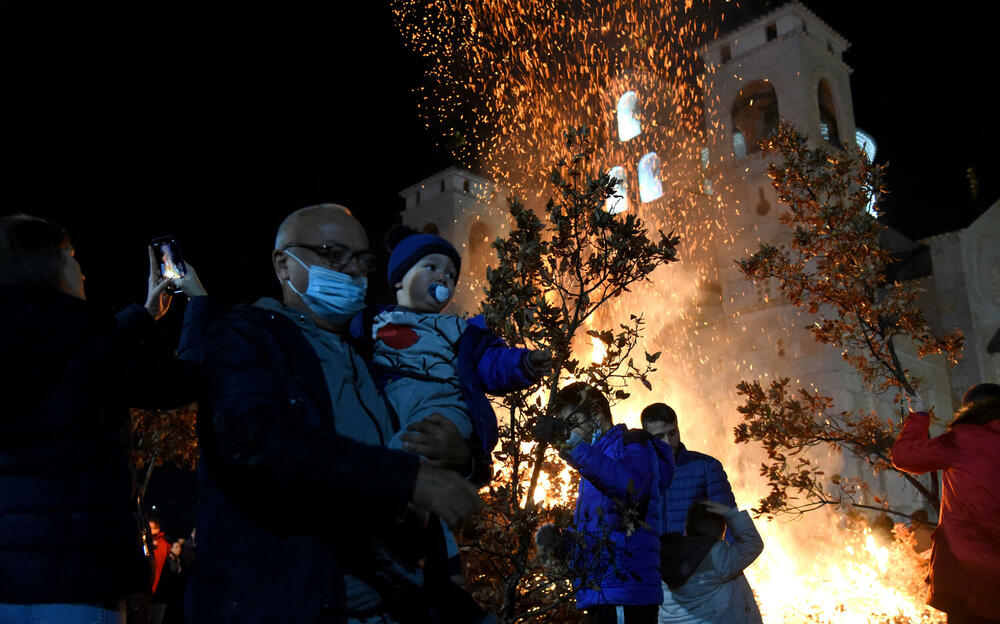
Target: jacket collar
(304, 364)
(609, 436)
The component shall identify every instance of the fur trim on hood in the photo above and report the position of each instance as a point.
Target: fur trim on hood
(977, 413)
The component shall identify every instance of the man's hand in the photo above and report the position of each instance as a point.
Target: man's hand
(550, 430)
(157, 295)
(444, 493)
(439, 440)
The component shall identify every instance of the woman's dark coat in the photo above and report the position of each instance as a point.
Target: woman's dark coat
(69, 519)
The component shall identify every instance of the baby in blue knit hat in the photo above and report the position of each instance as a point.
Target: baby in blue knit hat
(435, 363)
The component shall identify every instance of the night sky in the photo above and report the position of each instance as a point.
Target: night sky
(129, 120)
(125, 121)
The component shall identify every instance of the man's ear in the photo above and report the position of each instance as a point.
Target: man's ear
(280, 262)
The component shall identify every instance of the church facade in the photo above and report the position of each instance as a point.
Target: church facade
(785, 65)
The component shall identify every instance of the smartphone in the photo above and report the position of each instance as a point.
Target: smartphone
(169, 252)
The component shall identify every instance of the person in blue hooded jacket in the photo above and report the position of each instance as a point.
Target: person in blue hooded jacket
(696, 476)
(625, 473)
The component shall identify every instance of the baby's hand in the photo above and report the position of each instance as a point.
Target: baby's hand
(541, 362)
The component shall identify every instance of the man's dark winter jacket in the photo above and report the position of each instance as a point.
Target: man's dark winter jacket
(287, 503)
(696, 476)
(624, 477)
(69, 522)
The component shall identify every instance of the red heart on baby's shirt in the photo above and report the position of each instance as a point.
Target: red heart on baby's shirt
(397, 336)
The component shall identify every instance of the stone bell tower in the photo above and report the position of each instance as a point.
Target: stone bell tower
(786, 65)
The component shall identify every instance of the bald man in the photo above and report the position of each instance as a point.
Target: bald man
(297, 485)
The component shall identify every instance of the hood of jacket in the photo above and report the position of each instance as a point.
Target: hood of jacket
(979, 413)
(663, 454)
(680, 556)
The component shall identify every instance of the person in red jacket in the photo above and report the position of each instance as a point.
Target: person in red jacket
(161, 548)
(965, 556)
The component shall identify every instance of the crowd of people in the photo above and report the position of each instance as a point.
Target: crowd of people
(171, 560)
(339, 441)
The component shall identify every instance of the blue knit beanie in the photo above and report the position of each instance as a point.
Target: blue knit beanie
(411, 249)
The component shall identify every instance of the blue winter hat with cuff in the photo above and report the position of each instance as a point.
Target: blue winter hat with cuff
(411, 249)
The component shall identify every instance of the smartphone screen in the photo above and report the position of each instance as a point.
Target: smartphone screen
(169, 253)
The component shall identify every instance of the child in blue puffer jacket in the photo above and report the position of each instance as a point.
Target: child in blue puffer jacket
(616, 553)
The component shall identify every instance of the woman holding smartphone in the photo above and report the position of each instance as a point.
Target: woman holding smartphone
(70, 539)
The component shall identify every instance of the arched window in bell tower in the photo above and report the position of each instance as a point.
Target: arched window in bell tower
(866, 143)
(629, 125)
(650, 186)
(754, 116)
(827, 114)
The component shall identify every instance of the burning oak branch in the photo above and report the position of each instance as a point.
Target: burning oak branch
(836, 268)
(554, 273)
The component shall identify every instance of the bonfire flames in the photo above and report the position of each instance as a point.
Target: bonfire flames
(505, 78)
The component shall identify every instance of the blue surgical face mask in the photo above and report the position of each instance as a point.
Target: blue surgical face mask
(596, 435)
(333, 296)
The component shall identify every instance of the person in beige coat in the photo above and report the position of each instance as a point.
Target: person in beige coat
(703, 581)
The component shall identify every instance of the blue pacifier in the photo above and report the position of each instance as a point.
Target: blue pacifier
(440, 292)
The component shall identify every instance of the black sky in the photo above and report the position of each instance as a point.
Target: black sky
(212, 121)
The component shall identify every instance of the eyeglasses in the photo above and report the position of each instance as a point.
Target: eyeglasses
(577, 418)
(339, 256)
